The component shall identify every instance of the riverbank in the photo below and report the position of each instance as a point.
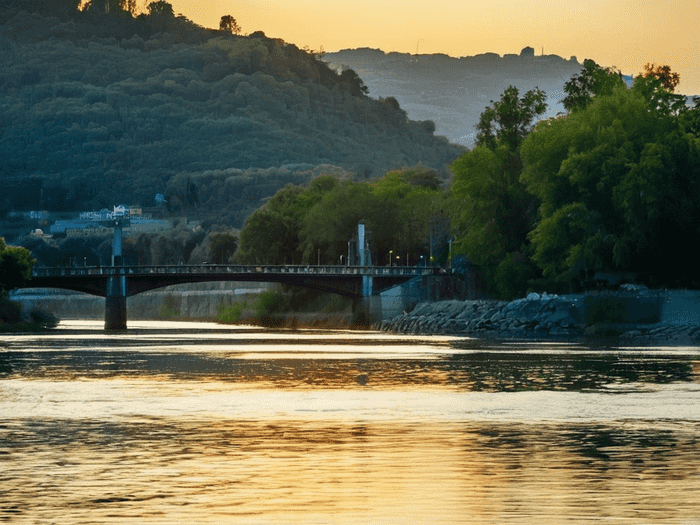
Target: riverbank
(626, 318)
(14, 320)
(634, 318)
(294, 320)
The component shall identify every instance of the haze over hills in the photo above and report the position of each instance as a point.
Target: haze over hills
(454, 91)
(97, 110)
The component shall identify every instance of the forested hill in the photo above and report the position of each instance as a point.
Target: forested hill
(454, 91)
(98, 109)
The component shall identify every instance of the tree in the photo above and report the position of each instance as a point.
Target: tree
(271, 234)
(668, 79)
(228, 23)
(507, 121)
(15, 267)
(618, 181)
(353, 83)
(657, 85)
(160, 7)
(494, 212)
(222, 246)
(493, 216)
(593, 80)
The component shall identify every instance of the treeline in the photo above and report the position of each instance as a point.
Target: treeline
(606, 192)
(98, 109)
(403, 211)
(609, 190)
(205, 243)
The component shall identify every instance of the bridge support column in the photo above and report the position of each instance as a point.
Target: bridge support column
(366, 311)
(115, 303)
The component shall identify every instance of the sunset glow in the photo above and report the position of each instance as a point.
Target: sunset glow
(622, 33)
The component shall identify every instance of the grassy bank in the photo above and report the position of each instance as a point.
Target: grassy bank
(293, 308)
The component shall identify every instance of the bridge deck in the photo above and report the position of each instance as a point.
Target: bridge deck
(345, 280)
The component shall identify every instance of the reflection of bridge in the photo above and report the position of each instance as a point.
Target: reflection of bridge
(115, 283)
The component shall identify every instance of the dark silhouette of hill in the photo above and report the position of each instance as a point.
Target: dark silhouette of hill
(451, 91)
(100, 109)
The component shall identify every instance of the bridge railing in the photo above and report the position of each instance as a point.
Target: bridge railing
(373, 271)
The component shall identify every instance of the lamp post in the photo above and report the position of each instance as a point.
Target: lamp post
(390, 259)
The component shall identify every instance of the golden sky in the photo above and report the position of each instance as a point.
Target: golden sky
(622, 33)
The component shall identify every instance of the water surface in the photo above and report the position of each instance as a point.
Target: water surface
(199, 423)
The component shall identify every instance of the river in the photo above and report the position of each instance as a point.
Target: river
(202, 423)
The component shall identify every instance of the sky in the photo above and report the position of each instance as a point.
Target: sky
(626, 34)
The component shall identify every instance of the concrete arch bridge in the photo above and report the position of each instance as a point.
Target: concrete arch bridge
(116, 283)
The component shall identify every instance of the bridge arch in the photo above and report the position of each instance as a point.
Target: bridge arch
(116, 283)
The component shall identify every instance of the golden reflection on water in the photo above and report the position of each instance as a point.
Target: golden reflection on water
(281, 471)
(185, 423)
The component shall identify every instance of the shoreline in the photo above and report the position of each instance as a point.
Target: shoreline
(546, 318)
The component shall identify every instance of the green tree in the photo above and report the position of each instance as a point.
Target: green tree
(618, 181)
(298, 224)
(593, 80)
(229, 24)
(507, 121)
(271, 234)
(16, 265)
(419, 207)
(494, 212)
(222, 246)
(333, 221)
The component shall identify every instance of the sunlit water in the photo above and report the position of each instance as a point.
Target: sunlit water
(198, 423)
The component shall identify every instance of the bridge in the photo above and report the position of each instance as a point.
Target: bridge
(116, 283)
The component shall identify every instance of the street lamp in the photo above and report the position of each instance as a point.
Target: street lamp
(390, 253)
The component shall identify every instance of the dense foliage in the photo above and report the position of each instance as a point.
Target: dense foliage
(16, 265)
(615, 184)
(494, 212)
(98, 109)
(403, 210)
(619, 186)
(181, 245)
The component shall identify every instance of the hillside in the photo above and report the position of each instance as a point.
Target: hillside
(454, 91)
(97, 110)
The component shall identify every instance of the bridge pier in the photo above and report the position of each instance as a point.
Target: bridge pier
(115, 298)
(366, 311)
(115, 303)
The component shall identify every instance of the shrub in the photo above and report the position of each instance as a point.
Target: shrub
(229, 313)
(169, 308)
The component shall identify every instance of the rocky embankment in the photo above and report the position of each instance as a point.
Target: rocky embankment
(545, 317)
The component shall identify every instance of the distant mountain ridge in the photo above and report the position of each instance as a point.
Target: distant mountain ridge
(454, 91)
